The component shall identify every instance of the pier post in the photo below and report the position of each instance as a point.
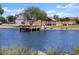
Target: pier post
(31, 29)
(20, 29)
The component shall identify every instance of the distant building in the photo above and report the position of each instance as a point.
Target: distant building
(59, 23)
(73, 18)
(52, 21)
(19, 19)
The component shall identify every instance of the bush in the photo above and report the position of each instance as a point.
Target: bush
(29, 51)
(17, 51)
(76, 51)
(55, 52)
(2, 19)
(11, 18)
(77, 21)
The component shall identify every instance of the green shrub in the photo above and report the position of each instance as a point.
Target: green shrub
(55, 52)
(76, 51)
(17, 51)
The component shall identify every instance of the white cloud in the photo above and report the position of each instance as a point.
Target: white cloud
(51, 11)
(62, 10)
(12, 11)
(6, 9)
(63, 14)
(58, 6)
(50, 15)
(68, 6)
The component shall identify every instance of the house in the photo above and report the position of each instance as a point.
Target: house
(59, 23)
(52, 21)
(70, 23)
(73, 18)
(19, 19)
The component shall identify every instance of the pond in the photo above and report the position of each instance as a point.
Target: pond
(41, 40)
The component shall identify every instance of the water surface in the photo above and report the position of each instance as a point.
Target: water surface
(65, 40)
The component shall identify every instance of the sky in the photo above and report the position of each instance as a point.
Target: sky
(61, 9)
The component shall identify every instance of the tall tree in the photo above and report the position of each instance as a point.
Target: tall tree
(34, 13)
(1, 10)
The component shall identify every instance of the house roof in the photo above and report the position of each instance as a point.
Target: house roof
(50, 19)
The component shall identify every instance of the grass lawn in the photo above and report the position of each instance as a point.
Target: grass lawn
(71, 26)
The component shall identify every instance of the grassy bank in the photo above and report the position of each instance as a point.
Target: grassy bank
(25, 51)
(17, 51)
(71, 26)
(29, 51)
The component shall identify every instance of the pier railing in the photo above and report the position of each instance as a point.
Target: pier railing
(29, 26)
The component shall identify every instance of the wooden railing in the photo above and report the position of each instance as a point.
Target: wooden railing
(29, 26)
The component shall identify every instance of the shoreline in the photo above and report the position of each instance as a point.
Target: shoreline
(16, 26)
(41, 29)
(6, 26)
(63, 29)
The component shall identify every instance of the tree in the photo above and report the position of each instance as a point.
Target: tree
(77, 21)
(56, 17)
(1, 10)
(2, 19)
(64, 19)
(34, 13)
(11, 18)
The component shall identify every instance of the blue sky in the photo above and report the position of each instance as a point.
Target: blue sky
(61, 9)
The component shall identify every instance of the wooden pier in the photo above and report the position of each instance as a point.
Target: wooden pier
(27, 28)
